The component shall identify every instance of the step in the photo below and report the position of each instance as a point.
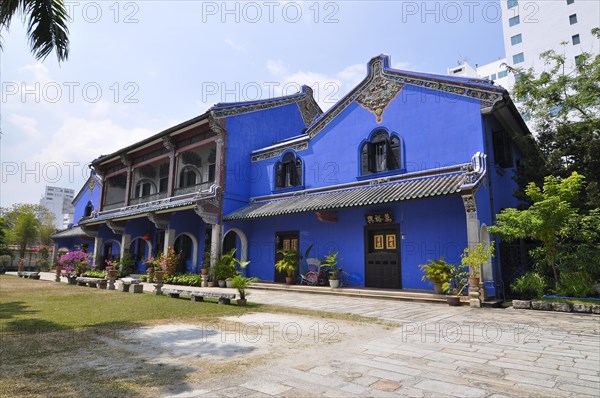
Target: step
(386, 294)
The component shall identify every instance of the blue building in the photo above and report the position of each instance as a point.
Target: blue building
(84, 203)
(405, 168)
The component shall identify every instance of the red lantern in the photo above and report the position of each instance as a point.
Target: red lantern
(147, 237)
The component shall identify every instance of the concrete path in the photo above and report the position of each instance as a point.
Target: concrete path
(437, 351)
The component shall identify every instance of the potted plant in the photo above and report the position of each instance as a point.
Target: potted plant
(288, 264)
(225, 267)
(111, 269)
(74, 264)
(331, 262)
(241, 283)
(205, 263)
(156, 268)
(473, 259)
(228, 282)
(456, 283)
(437, 272)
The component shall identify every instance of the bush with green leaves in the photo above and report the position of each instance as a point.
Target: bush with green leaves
(576, 284)
(436, 271)
(241, 283)
(184, 280)
(530, 286)
(94, 274)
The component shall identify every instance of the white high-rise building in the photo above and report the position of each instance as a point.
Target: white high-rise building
(532, 27)
(60, 203)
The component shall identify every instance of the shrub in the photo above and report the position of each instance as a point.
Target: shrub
(529, 286)
(436, 271)
(94, 274)
(144, 278)
(576, 284)
(184, 279)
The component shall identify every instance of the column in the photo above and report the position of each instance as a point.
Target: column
(97, 250)
(125, 241)
(476, 293)
(169, 240)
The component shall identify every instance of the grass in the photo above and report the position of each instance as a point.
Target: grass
(30, 305)
(52, 339)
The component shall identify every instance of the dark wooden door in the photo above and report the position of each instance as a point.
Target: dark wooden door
(285, 241)
(382, 257)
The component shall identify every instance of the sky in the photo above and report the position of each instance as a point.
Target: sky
(136, 68)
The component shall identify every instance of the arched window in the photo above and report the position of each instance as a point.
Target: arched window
(189, 177)
(288, 172)
(89, 208)
(144, 188)
(380, 154)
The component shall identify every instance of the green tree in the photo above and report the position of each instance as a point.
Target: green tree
(24, 223)
(552, 219)
(47, 28)
(4, 250)
(564, 104)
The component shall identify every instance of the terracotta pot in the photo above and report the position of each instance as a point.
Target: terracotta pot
(473, 281)
(241, 302)
(211, 283)
(113, 273)
(289, 280)
(453, 301)
(159, 275)
(437, 287)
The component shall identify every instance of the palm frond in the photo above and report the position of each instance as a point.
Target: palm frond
(47, 28)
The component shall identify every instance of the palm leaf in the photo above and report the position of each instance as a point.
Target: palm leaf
(46, 25)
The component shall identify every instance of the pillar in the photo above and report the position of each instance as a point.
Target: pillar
(125, 241)
(169, 240)
(97, 250)
(475, 292)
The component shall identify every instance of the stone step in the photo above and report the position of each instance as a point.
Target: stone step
(387, 294)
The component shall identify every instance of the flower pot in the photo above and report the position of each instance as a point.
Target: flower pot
(228, 283)
(453, 301)
(211, 283)
(241, 302)
(204, 271)
(58, 269)
(473, 281)
(72, 280)
(437, 287)
(159, 275)
(289, 280)
(334, 283)
(221, 283)
(113, 273)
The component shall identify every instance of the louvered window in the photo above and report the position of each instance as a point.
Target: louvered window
(288, 172)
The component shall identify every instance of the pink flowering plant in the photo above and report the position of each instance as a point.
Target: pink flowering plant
(74, 263)
(156, 263)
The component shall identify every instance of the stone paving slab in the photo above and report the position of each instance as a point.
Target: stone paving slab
(435, 351)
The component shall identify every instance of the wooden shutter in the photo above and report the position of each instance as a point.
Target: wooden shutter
(298, 173)
(371, 153)
(393, 154)
(279, 175)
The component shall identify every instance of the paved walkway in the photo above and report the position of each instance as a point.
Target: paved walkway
(437, 351)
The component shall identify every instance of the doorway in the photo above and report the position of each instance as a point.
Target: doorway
(285, 241)
(382, 257)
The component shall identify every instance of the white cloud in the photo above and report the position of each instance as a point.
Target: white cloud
(233, 45)
(276, 67)
(38, 70)
(26, 125)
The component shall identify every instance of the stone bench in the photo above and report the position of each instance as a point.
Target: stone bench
(28, 275)
(127, 282)
(223, 298)
(91, 282)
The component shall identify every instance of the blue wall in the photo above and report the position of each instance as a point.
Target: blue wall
(85, 197)
(248, 132)
(433, 228)
(437, 129)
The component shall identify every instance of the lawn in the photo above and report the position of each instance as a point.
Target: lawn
(37, 305)
(51, 339)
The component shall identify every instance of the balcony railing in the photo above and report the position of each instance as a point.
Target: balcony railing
(113, 206)
(193, 188)
(147, 198)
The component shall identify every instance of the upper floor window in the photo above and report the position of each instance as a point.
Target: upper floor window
(512, 3)
(514, 21)
(380, 154)
(144, 188)
(89, 208)
(570, 2)
(189, 177)
(518, 58)
(573, 19)
(288, 172)
(502, 148)
(516, 39)
(576, 40)
(502, 74)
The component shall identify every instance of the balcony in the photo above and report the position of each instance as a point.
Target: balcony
(147, 198)
(193, 188)
(113, 206)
